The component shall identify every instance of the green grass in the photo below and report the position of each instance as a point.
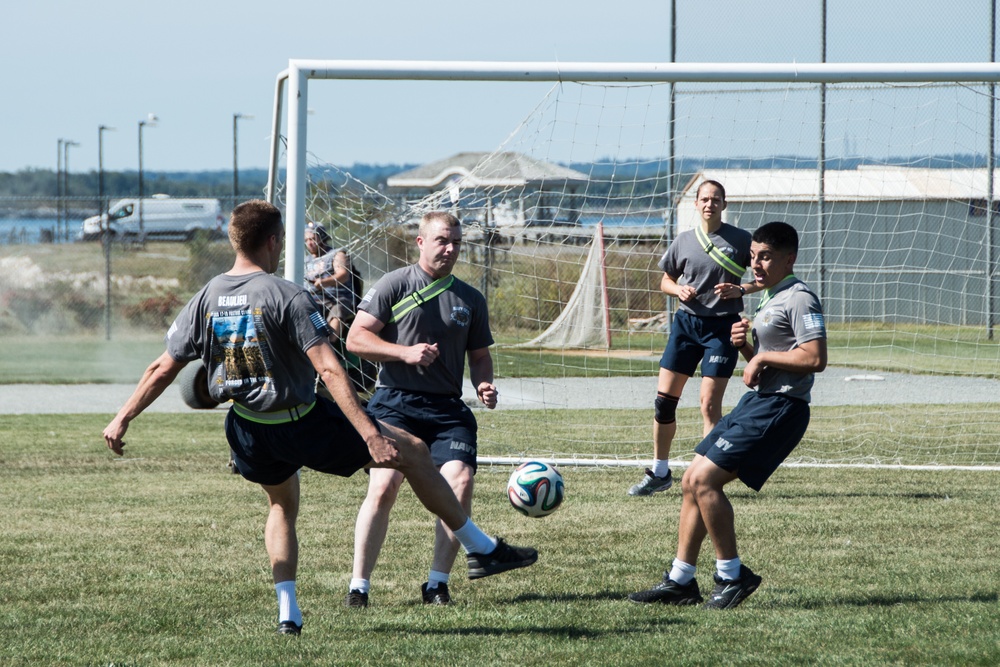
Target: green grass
(53, 359)
(61, 360)
(158, 559)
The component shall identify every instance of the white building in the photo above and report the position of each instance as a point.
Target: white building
(887, 243)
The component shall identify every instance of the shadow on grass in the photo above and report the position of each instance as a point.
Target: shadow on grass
(850, 494)
(888, 601)
(650, 625)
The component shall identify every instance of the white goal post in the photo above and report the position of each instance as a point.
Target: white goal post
(899, 242)
(300, 72)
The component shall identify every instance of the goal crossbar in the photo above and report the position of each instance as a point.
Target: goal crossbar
(299, 72)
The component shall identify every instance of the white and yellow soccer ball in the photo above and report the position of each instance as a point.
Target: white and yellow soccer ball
(536, 489)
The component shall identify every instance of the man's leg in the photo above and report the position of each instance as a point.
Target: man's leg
(734, 582)
(713, 389)
(486, 556)
(669, 387)
(282, 546)
(370, 530)
(678, 586)
(703, 483)
(461, 478)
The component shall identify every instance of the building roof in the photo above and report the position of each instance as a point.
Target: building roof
(866, 183)
(481, 170)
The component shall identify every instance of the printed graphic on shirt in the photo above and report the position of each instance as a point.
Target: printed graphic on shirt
(245, 358)
(461, 315)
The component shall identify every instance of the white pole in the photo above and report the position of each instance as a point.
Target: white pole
(295, 202)
(272, 172)
(647, 72)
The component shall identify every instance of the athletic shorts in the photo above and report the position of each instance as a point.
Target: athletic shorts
(323, 440)
(756, 436)
(445, 423)
(703, 340)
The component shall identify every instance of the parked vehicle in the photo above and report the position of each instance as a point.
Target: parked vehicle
(159, 216)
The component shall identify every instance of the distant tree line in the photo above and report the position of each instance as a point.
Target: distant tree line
(621, 178)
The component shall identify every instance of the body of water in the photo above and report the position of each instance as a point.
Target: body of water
(14, 231)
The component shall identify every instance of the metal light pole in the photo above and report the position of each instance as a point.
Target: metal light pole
(236, 168)
(151, 120)
(59, 184)
(106, 229)
(66, 144)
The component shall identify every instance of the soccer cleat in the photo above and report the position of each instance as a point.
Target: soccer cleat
(730, 592)
(650, 484)
(356, 599)
(289, 628)
(669, 591)
(438, 595)
(504, 557)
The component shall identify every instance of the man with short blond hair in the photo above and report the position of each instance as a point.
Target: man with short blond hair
(422, 323)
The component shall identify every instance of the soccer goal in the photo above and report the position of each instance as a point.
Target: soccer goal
(884, 169)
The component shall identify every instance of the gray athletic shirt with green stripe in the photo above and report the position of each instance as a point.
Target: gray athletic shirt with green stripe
(457, 320)
(687, 261)
(251, 332)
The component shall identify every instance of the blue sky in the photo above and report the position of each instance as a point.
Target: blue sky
(71, 66)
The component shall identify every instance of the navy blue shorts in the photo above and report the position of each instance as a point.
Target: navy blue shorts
(445, 423)
(703, 340)
(756, 436)
(323, 440)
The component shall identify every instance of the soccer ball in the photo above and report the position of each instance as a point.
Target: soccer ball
(535, 489)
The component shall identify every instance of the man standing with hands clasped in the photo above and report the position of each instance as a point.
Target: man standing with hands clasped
(421, 322)
(703, 268)
(788, 347)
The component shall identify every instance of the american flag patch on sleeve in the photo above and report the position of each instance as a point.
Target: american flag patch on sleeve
(318, 322)
(813, 321)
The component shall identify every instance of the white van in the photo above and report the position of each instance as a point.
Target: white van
(162, 217)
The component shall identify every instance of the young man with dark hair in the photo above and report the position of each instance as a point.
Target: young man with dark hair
(263, 339)
(784, 348)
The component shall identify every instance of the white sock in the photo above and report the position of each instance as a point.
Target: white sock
(728, 569)
(362, 585)
(473, 540)
(661, 467)
(288, 608)
(681, 572)
(435, 578)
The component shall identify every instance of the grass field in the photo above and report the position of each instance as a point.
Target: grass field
(158, 559)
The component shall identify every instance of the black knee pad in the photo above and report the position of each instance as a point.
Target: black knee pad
(665, 408)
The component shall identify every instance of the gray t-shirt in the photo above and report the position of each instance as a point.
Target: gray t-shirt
(687, 262)
(346, 294)
(457, 320)
(251, 332)
(789, 315)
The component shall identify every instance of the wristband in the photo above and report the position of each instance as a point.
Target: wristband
(743, 291)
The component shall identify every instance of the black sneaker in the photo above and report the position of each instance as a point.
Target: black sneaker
(437, 595)
(289, 628)
(650, 484)
(669, 591)
(356, 599)
(504, 557)
(730, 592)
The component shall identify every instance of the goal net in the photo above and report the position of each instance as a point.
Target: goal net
(566, 218)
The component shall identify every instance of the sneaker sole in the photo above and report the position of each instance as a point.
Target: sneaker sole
(481, 573)
(649, 493)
